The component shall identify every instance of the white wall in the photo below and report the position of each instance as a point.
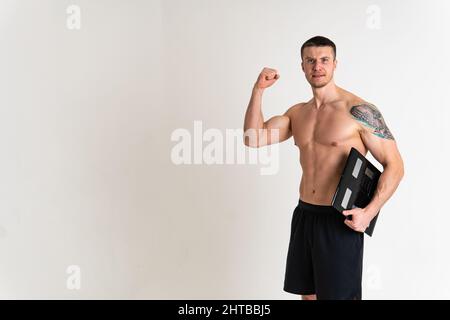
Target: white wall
(86, 118)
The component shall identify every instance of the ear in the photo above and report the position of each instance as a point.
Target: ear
(335, 64)
(303, 68)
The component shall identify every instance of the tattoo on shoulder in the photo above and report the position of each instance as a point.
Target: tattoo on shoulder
(370, 116)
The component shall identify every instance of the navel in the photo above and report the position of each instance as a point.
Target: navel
(334, 144)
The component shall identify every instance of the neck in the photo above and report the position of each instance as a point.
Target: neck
(325, 94)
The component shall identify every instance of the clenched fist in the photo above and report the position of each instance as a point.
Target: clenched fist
(266, 78)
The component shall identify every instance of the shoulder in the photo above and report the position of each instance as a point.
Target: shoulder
(294, 109)
(361, 109)
(365, 112)
(370, 118)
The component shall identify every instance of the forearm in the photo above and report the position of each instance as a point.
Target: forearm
(253, 117)
(254, 133)
(387, 184)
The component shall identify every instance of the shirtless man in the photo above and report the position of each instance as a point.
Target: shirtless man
(325, 253)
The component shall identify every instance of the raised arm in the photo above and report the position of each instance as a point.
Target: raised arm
(257, 132)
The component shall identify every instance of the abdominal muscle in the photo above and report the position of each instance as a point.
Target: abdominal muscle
(322, 167)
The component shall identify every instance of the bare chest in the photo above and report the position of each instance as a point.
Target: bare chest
(328, 126)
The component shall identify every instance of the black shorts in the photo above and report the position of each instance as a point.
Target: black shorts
(325, 256)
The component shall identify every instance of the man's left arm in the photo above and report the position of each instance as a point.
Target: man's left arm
(378, 139)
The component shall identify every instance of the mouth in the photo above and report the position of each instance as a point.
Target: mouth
(317, 76)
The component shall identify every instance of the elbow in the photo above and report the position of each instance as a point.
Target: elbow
(251, 138)
(397, 170)
(400, 171)
(250, 144)
(397, 167)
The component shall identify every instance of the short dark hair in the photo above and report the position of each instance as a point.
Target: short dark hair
(318, 41)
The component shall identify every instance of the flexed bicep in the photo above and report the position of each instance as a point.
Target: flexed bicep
(276, 129)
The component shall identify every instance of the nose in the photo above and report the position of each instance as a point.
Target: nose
(316, 66)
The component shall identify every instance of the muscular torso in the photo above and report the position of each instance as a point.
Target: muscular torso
(324, 137)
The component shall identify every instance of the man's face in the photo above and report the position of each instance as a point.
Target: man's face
(318, 64)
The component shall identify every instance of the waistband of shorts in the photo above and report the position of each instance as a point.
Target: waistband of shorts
(315, 207)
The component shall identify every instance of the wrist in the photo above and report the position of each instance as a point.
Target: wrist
(257, 89)
(371, 212)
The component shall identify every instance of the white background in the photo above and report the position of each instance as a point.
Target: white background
(86, 117)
